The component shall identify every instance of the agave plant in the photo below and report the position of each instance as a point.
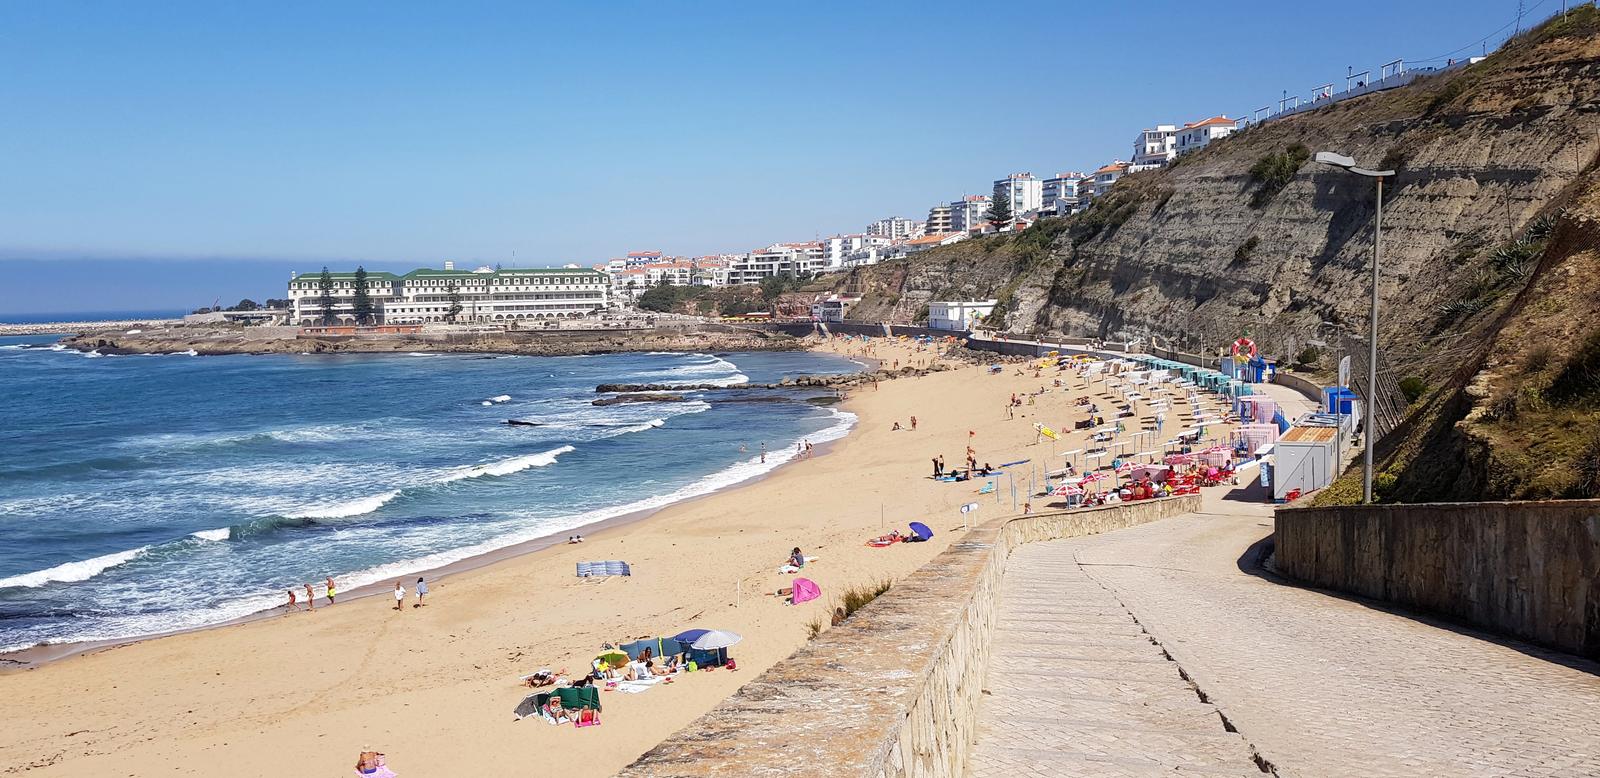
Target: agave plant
(1516, 260)
(1539, 230)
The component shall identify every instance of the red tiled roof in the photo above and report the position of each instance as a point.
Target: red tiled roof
(1210, 122)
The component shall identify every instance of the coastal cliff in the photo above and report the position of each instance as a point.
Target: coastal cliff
(1487, 266)
(286, 340)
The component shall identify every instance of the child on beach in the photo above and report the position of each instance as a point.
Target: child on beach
(290, 605)
(399, 595)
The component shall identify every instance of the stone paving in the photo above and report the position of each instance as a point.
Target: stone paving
(1077, 688)
(1315, 684)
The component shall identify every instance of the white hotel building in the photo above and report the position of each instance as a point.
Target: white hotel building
(487, 296)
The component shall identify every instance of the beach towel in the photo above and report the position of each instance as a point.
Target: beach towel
(635, 687)
(611, 567)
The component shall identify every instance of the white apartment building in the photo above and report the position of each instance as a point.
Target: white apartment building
(486, 295)
(969, 213)
(895, 228)
(1022, 191)
(1154, 147)
(1085, 190)
(939, 220)
(1059, 194)
(835, 248)
(958, 315)
(790, 259)
(1197, 135)
(1108, 175)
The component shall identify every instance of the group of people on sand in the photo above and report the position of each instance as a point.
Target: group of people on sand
(400, 594)
(311, 597)
(898, 427)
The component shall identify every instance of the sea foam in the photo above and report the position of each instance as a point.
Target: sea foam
(73, 571)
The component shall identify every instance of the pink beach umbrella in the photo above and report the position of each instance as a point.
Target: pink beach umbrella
(805, 590)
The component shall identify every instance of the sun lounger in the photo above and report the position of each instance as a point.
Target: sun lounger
(612, 567)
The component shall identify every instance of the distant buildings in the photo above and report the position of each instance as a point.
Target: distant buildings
(940, 219)
(1197, 135)
(1024, 193)
(895, 228)
(427, 295)
(1154, 147)
(969, 213)
(1108, 175)
(1059, 193)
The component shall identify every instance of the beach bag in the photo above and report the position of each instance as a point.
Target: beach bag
(691, 667)
(732, 665)
(587, 717)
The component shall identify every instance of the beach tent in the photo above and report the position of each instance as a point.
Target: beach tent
(611, 567)
(805, 590)
(921, 530)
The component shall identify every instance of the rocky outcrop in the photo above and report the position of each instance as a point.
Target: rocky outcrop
(287, 340)
(646, 397)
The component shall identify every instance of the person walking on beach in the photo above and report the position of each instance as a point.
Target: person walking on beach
(422, 591)
(399, 595)
(290, 605)
(330, 590)
(913, 424)
(311, 598)
(937, 471)
(808, 449)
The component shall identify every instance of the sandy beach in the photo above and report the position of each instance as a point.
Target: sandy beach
(434, 688)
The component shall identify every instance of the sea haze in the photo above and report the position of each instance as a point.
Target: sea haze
(142, 494)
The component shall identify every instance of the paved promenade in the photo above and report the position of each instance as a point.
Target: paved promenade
(1315, 684)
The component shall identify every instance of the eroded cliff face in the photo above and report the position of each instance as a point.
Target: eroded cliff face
(1492, 160)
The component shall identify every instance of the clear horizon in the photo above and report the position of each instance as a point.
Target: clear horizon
(146, 146)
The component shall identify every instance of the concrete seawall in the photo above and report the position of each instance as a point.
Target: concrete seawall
(1526, 569)
(894, 691)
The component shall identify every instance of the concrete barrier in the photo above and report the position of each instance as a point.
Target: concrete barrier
(1300, 384)
(1526, 569)
(893, 692)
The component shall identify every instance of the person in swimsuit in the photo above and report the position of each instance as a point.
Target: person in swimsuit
(399, 595)
(290, 605)
(311, 598)
(330, 590)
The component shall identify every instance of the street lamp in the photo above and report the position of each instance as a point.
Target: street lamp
(1349, 165)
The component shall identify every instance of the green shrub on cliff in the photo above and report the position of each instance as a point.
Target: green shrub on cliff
(1274, 172)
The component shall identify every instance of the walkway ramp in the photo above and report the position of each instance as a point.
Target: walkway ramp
(1080, 681)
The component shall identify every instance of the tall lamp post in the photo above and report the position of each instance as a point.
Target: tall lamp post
(1349, 165)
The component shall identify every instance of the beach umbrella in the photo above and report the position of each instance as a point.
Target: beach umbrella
(921, 530)
(689, 636)
(715, 638)
(613, 657)
(805, 590)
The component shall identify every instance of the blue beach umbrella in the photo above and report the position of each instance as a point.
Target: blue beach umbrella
(921, 530)
(689, 636)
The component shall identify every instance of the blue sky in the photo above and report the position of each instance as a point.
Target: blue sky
(280, 136)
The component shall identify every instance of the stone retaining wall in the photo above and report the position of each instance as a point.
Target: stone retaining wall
(894, 691)
(1526, 569)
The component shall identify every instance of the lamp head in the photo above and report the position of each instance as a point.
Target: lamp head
(1336, 160)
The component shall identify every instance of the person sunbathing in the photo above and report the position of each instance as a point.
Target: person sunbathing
(372, 763)
(554, 712)
(543, 677)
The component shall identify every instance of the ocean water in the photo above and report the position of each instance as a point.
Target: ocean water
(141, 494)
(48, 318)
